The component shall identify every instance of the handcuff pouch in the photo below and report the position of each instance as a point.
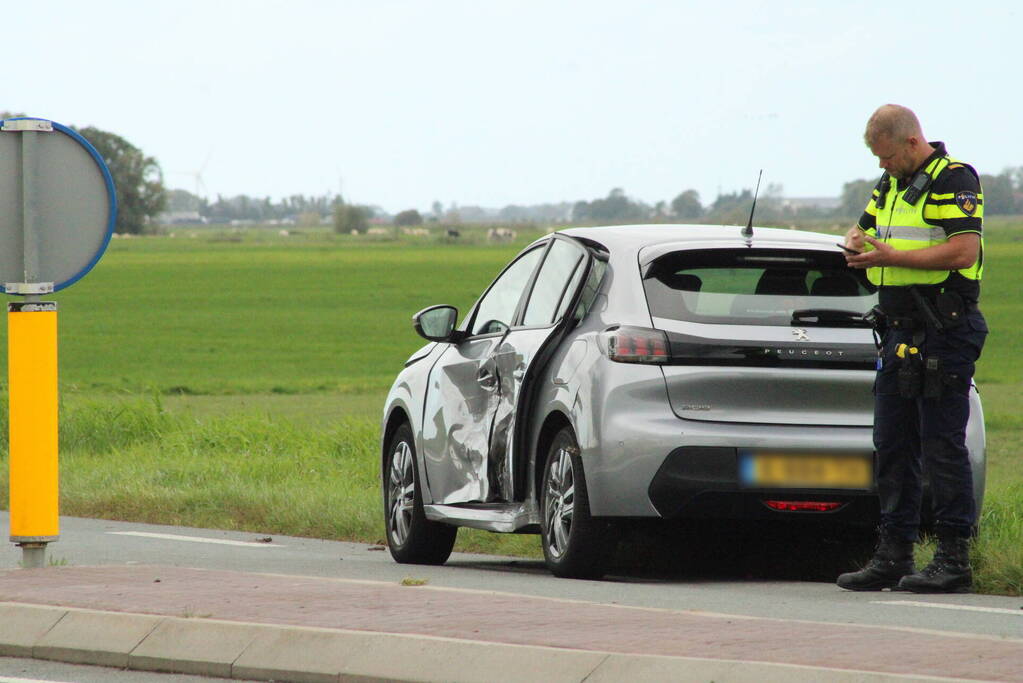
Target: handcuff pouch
(910, 376)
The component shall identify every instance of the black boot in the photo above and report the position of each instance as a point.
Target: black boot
(892, 560)
(948, 572)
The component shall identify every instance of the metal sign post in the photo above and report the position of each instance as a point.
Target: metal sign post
(57, 212)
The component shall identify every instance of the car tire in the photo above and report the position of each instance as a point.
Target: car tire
(411, 537)
(575, 544)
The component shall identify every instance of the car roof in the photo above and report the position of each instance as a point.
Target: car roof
(636, 237)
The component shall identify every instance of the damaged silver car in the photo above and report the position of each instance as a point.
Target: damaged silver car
(639, 372)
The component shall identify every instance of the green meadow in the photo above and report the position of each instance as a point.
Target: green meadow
(208, 317)
(235, 380)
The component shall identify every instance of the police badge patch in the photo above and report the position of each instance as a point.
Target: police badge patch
(967, 201)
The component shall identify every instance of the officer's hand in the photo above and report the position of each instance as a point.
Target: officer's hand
(880, 255)
(854, 239)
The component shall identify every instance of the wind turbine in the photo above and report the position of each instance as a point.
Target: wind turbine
(200, 185)
(197, 179)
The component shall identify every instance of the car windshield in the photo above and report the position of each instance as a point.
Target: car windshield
(757, 287)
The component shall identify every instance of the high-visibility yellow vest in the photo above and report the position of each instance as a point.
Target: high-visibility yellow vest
(904, 226)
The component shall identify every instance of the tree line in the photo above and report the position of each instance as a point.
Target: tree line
(1003, 195)
(246, 208)
(142, 195)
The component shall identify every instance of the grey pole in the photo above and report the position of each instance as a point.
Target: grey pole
(29, 207)
(33, 555)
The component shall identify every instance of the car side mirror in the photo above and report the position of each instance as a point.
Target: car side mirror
(436, 323)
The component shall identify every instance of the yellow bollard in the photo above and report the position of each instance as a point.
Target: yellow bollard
(32, 385)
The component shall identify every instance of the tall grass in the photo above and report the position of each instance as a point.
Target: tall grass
(133, 460)
(998, 551)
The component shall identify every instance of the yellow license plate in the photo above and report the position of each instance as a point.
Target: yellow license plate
(787, 470)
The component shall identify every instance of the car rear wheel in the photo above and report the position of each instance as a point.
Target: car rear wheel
(575, 545)
(411, 537)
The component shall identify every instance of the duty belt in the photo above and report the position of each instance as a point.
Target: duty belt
(900, 301)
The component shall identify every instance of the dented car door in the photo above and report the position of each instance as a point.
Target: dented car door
(464, 389)
(524, 351)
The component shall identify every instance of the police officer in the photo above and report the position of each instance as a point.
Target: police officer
(920, 243)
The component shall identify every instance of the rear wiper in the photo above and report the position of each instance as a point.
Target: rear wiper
(828, 317)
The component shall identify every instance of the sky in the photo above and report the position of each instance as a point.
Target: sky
(401, 103)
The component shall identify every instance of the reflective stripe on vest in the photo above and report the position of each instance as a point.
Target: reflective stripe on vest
(902, 226)
(908, 232)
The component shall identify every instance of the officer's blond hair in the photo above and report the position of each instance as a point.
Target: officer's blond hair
(893, 122)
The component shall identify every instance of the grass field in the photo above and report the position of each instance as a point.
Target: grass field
(235, 380)
(208, 317)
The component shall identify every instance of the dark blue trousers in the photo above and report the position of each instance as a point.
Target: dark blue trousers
(918, 437)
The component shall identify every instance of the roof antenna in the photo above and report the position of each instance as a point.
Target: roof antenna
(747, 232)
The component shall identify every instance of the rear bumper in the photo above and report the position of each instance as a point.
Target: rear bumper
(702, 482)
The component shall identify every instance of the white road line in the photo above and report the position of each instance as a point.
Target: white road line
(197, 539)
(7, 679)
(965, 608)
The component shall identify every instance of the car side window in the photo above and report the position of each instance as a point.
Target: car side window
(497, 307)
(590, 289)
(562, 264)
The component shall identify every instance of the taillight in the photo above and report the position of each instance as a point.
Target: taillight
(802, 505)
(636, 345)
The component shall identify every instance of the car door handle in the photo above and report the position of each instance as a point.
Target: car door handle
(487, 379)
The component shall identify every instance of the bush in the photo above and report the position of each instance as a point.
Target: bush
(408, 217)
(349, 218)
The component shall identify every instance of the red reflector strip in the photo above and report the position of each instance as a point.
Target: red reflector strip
(802, 505)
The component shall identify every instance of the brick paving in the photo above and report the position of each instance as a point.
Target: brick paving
(515, 619)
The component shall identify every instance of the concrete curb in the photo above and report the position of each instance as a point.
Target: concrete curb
(303, 654)
(22, 626)
(88, 637)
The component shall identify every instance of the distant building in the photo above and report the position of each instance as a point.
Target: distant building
(180, 218)
(477, 214)
(800, 203)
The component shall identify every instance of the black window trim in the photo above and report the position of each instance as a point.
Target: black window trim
(564, 290)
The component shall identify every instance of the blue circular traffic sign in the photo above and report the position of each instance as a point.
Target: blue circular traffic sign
(58, 206)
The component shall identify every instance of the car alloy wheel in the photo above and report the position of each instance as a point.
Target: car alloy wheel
(560, 501)
(401, 493)
(411, 537)
(575, 545)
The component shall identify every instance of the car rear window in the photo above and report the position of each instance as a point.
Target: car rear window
(757, 287)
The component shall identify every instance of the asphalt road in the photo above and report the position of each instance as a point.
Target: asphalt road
(88, 542)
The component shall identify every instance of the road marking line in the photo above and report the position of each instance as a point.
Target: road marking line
(197, 539)
(965, 608)
(7, 679)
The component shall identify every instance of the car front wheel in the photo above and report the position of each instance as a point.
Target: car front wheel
(575, 545)
(411, 537)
